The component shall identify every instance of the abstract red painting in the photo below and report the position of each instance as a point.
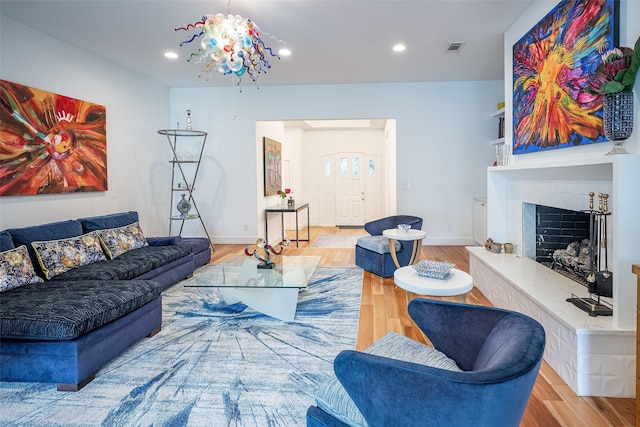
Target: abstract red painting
(50, 143)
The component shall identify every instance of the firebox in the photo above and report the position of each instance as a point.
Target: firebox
(563, 242)
(557, 229)
(574, 244)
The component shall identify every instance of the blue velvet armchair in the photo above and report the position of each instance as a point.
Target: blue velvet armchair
(498, 351)
(372, 252)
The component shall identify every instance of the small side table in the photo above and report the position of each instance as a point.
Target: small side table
(457, 283)
(411, 234)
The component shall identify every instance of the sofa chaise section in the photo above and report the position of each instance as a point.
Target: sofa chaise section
(63, 332)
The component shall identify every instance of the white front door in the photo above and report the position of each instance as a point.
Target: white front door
(373, 188)
(350, 189)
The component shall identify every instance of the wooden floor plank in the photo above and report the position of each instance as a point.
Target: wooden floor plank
(617, 411)
(383, 308)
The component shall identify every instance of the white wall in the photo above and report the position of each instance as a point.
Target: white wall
(443, 131)
(442, 142)
(137, 157)
(391, 193)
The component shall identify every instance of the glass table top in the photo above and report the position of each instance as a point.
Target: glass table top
(287, 272)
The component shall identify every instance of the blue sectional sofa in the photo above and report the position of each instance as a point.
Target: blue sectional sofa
(68, 321)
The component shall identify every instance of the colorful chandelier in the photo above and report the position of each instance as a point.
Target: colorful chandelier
(231, 45)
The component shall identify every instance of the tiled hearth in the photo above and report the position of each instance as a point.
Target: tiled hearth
(594, 357)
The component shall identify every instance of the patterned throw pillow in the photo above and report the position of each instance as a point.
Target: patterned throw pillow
(117, 241)
(16, 269)
(57, 256)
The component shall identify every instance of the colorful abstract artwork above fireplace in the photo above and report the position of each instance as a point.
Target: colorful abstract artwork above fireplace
(551, 68)
(50, 143)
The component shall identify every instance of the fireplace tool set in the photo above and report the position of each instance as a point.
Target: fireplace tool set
(599, 279)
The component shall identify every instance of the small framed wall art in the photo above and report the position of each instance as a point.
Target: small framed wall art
(272, 167)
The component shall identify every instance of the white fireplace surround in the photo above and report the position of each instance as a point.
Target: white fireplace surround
(594, 356)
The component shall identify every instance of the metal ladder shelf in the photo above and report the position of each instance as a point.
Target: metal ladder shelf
(197, 139)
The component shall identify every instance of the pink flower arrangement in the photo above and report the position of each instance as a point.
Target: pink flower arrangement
(284, 193)
(617, 71)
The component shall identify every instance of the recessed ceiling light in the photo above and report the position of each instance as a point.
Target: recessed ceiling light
(284, 52)
(171, 55)
(399, 47)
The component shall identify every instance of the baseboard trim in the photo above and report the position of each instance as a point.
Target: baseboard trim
(449, 241)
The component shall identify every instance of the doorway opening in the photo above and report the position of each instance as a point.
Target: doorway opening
(345, 169)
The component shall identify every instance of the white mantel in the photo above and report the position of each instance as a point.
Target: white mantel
(566, 184)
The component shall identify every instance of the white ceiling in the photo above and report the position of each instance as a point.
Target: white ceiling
(332, 41)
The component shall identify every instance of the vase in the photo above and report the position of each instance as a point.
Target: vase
(183, 207)
(188, 119)
(291, 203)
(617, 112)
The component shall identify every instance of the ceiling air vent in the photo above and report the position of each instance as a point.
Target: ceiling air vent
(454, 47)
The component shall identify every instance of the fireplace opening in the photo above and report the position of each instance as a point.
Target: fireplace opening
(563, 242)
(574, 244)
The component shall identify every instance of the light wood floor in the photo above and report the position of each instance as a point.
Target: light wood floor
(383, 309)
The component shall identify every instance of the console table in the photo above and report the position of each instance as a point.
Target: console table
(282, 210)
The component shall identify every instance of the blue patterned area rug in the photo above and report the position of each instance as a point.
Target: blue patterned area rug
(212, 364)
(336, 240)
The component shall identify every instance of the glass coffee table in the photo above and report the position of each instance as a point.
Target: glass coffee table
(273, 292)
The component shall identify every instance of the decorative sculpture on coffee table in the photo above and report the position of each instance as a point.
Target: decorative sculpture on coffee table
(268, 250)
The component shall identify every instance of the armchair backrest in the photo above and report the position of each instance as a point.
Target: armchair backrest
(497, 342)
(512, 346)
(375, 228)
(499, 352)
